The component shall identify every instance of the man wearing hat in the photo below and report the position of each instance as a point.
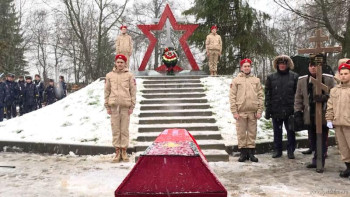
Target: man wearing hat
(120, 99)
(2, 97)
(21, 84)
(30, 95)
(124, 44)
(11, 96)
(305, 106)
(247, 101)
(40, 87)
(338, 115)
(50, 93)
(213, 46)
(280, 89)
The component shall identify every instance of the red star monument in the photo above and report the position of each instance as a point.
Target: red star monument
(188, 30)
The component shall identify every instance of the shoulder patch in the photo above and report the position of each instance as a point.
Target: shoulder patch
(304, 76)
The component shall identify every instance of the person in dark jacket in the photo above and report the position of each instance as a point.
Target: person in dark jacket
(2, 98)
(30, 95)
(11, 99)
(280, 89)
(61, 89)
(40, 87)
(50, 93)
(21, 84)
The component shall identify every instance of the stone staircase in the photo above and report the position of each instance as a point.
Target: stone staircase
(178, 102)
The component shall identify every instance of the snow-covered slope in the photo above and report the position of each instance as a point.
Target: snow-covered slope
(80, 118)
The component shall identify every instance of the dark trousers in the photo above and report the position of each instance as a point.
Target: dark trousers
(1, 114)
(277, 135)
(39, 101)
(11, 111)
(29, 108)
(313, 141)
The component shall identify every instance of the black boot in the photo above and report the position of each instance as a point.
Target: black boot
(291, 155)
(307, 152)
(346, 172)
(277, 154)
(251, 155)
(243, 155)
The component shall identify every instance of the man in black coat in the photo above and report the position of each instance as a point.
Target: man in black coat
(40, 87)
(61, 88)
(2, 98)
(21, 84)
(280, 89)
(30, 95)
(50, 93)
(12, 94)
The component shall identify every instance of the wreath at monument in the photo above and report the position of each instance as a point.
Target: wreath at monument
(170, 59)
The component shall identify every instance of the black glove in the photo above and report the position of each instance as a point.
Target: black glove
(320, 98)
(299, 120)
(267, 115)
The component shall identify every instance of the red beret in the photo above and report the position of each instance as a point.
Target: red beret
(245, 61)
(344, 65)
(123, 26)
(213, 27)
(120, 56)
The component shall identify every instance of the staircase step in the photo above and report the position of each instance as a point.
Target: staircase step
(174, 95)
(174, 106)
(173, 100)
(172, 81)
(189, 127)
(168, 113)
(182, 85)
(210, 155)
(203, 144)
(198, 135)
(172, 120)
(172, 90)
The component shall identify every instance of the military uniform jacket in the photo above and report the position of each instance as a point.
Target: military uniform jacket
(120, 89)
(338, 105)
(246, 94)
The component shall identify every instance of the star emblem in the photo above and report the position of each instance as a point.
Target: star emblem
(188, 28)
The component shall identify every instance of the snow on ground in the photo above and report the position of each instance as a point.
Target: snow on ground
(217, 90)
(80, 118)
(70, 175)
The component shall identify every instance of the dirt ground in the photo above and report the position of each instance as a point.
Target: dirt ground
(70, 175)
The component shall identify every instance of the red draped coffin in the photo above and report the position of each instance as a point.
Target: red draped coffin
(172, 166)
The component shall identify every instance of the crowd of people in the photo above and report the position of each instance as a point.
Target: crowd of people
(27, 94)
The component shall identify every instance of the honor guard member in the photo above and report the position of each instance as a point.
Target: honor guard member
(30, 95)
(124, 44)
(338, 115)
(213, 46)
(120, 99)
(247, 103)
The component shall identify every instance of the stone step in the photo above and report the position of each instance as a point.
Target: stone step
(172, 81)
(171, 77)
(182, 85)
(174, 95)
(210, 155)
(203, 144)
(189, 127)
(198, 135)
(171, 90)
(173, 100)
(172, 120)
(168, 113)
(174, 106)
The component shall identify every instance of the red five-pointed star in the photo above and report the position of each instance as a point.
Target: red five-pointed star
(189, 29)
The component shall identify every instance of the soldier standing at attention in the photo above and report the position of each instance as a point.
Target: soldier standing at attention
(247, 103)
(213, 46)
(120, 99)
(123, 44)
